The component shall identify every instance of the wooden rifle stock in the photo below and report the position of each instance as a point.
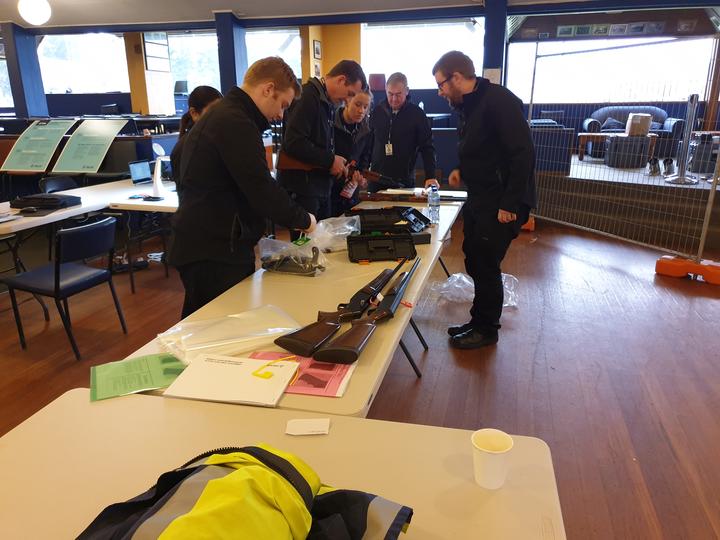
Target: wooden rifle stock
(347, 348)
(310, 338)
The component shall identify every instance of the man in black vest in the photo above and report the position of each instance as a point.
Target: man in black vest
(228, 192)
(400, 131)
(497, 164)
(308, 137)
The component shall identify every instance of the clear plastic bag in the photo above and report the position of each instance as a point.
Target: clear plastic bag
(289, 258)
(461, 288)
(331, 233)
(229, 335)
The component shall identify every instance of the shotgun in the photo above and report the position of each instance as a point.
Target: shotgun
(346, 348)
(307, 340)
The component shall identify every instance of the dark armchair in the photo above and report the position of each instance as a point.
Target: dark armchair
(668, 130)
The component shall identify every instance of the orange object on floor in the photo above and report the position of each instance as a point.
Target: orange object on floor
(530, 225)
(680, 268)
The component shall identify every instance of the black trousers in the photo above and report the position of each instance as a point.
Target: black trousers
(206, 280)
(485, 245)
(317, 206)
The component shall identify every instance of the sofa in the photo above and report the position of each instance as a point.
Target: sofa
(668, 130)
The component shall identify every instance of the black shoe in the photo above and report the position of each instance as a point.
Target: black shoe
(654, 167)
(474, 339)
(455, 330)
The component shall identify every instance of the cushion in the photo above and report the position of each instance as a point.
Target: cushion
(611, 123)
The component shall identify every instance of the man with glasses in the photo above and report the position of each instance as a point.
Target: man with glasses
(400, 130)
(497, 164)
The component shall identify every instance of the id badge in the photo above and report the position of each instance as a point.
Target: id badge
(388, 149)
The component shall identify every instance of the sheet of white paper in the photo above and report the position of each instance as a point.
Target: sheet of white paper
(308, 426)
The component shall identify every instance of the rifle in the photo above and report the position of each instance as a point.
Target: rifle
(346, 348)
(307, 340)
(286, 162)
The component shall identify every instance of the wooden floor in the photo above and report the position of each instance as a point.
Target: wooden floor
(616, 368)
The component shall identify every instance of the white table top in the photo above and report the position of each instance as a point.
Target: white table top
(302, 297)
(70, 460)
(93, 198)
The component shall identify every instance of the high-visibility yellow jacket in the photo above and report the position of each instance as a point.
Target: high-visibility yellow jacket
(253, 492)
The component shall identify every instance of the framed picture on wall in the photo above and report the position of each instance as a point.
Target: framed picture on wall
(618, 29)
(583, 29)
(655, 27)
(636, 28)
(565, 31)
(600, 29)
(317, 49)
(316, 69)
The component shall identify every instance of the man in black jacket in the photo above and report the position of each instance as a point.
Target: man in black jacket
(228, 192)
(400, 130)
(308, 137)
(497, 162)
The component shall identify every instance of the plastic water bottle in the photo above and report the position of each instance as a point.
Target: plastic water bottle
(434, 204)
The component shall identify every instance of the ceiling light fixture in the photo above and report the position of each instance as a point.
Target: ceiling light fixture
(35, 12)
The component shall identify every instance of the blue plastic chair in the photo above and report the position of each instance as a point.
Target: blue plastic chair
(66, 277)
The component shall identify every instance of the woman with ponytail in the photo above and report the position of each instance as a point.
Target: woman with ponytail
(199, 101)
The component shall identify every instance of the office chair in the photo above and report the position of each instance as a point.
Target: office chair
(66, 277)
(51, 184)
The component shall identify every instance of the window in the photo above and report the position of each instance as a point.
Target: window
(83, 63)
(157, 57)
(282, 42)
(194, 58)
(413, 48)
(596, 71)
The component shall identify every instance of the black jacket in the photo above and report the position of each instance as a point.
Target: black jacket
(227, 191)
(354, 143)
(175, 159)
(308, 136)
(497, 155)
(409, 133)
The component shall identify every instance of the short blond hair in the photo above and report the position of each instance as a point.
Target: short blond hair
(272, 69)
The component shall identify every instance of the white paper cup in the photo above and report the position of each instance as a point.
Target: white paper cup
(490, 457)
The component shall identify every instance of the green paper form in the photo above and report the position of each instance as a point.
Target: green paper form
(133, 375)
(34, 149)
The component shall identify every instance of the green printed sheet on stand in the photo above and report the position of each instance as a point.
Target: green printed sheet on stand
(86, 149)
(133, 375)
(34, 149)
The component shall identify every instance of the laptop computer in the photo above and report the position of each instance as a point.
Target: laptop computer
(140, 172)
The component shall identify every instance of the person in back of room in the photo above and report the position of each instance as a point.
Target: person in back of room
(353, 140)
(228, 192)
(497, 164)
(309, 138)
(400, 130)
(199, 101)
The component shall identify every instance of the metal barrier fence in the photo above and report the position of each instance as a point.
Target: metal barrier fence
(614, 170)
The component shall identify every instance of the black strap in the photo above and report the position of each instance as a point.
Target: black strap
(285, 469)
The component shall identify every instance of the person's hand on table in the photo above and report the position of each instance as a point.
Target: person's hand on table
(431, 182)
